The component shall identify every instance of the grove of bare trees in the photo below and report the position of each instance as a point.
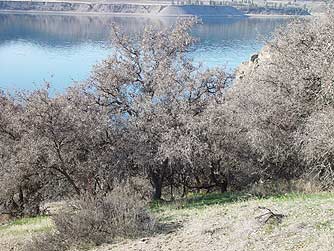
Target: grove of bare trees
(148, 111)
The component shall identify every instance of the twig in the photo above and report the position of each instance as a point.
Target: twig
(270, 215)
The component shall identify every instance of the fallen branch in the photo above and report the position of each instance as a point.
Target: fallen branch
(269, 215)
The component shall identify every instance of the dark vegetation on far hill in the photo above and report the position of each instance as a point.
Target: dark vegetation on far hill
(149, 124)
(274, 10)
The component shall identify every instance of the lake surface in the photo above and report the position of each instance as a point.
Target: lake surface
(61, 49)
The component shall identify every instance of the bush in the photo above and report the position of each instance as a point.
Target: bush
(280, 187)
(93, 220)
(318, 146)
(277, 95)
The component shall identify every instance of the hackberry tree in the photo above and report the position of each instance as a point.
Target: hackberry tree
(153, 89)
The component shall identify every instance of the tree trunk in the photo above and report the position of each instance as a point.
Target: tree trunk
(221, 181)
(157, 186)
(157, 179)
(223, 186)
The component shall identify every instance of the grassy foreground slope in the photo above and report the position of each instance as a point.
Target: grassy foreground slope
(308, 224)
(218, 222)
(14, 234)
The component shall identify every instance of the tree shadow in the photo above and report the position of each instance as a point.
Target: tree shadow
(168, 227)
(200, 200)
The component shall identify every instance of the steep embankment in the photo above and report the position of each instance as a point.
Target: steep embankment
(120, 8)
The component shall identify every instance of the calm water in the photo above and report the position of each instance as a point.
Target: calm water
(62, 49)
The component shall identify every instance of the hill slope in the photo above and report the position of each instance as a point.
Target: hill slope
(308, 225)
(120, 8)
(218, 222)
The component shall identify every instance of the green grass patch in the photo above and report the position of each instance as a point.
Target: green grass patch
(26, 221)
(33, 224)
(326, 225)
(201, 200)
(300, 196)
(29, 220)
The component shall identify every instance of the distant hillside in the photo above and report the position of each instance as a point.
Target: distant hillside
(199, 10)
(147, 8)
(121, 8)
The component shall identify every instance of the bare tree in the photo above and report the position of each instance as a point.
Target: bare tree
(148, 110)
(152, 87)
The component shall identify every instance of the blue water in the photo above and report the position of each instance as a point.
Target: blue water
(62, 49)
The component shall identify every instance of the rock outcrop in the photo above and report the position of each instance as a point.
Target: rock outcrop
(247, 68)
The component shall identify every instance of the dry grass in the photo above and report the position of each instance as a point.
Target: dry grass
(14, 234)
(219, 222)
(309, 226)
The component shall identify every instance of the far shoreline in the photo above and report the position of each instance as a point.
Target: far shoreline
(124, 14)
(277, 16)
(70, 7)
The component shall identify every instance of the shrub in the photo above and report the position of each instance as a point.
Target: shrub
(93, 220)
(318, 146)
(276, 95)
(279, 187)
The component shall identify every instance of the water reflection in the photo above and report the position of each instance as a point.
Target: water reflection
(61, 48)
